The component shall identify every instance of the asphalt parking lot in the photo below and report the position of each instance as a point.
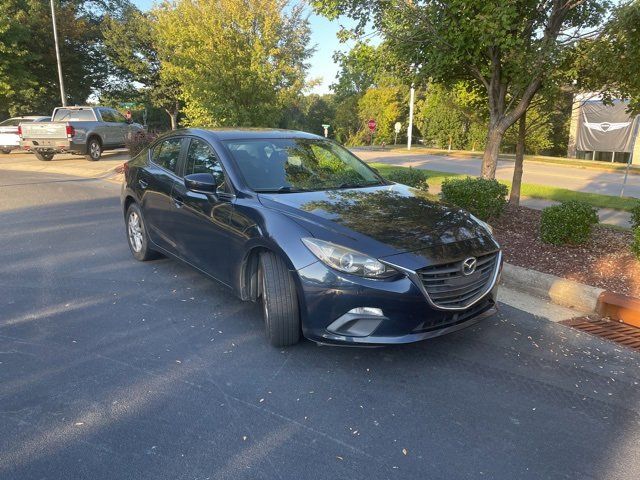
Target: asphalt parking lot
(115, 369)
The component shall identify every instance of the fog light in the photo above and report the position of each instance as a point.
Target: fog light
(367, 311)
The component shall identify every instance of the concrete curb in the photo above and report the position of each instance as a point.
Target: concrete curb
(570, 294)
(560, 291)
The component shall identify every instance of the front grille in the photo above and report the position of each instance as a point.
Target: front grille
(448, 288)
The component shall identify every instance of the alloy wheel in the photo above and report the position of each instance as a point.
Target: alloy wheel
(135, 232)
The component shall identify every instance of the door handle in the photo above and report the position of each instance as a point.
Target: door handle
(178, 201)
(142, 184)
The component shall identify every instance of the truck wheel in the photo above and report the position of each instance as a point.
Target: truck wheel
(43, 156)
(137, 235)
(94, 149)
(279, 301)
(6, 151)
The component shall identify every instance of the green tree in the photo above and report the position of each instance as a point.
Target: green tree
(239, 63)
(131, 44)
(509, 48)
(28, 71)
(383, 104)
(609, 63)
(309, 113)
(359, 68)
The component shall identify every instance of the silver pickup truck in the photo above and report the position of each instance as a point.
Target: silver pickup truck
(79, 130)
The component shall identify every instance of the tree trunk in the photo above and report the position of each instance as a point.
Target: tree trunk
(514, 198)
(491, 150)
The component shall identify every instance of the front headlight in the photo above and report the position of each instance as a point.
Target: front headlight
(346, 260)
(484, 225)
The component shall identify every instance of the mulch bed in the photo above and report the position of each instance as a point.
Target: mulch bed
(605, 261)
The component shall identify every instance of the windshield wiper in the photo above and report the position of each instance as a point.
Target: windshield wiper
(285, 189)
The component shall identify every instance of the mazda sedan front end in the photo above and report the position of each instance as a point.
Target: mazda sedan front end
(331, 250)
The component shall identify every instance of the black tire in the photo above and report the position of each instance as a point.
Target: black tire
(94, 149)
(6, 151)
(141, 251)
(43, 156)
(279, 301)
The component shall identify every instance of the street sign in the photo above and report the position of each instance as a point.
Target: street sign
(326, 129)
(127, 104)
(397, 128)
(372, 124)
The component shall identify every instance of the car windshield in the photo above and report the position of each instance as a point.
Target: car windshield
(296, 164)
(73, 114)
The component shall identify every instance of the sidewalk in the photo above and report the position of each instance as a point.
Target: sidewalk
(607, 216)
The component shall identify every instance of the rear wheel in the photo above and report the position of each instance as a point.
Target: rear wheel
(279, 301)
(43, 156)
(94, 149)
(6, 151)
(137, 235)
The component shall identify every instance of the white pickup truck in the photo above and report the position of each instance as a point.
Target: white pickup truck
(79, 130)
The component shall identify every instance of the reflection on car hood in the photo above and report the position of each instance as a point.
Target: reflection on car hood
(396, 215)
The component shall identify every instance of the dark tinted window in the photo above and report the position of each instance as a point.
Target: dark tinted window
(166, 153)
(107, 115)
(72, 114)
(202, 159)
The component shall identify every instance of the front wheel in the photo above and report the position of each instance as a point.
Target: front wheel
(137, 235)
(279, 301)
(43, 156)
(94, 150)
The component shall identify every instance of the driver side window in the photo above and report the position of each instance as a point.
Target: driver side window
(202, 159)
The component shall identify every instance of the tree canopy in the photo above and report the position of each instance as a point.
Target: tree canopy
(508, 48)
(238, 63)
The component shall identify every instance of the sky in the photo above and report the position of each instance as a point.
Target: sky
(323, 37)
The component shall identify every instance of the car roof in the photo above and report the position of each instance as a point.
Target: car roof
(247, 133)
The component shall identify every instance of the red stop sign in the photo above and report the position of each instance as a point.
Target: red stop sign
(372, 124)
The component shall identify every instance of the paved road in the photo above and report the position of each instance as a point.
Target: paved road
(114, 369)
(573, 178)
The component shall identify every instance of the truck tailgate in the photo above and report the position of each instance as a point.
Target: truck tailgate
(44, 130)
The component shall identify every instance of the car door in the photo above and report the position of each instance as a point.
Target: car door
(202, 221)
(121, 127)
(107, 128)
(155, 183)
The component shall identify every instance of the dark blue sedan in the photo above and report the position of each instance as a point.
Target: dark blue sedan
(331, 249)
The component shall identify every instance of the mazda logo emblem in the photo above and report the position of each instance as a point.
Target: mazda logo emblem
(469, 266)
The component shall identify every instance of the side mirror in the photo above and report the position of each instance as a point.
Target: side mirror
(201, 183)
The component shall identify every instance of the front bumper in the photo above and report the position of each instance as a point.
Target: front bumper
(407, 316)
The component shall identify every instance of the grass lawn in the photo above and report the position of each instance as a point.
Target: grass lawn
(530, 190)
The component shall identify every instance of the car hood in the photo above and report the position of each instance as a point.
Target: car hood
(392, 219)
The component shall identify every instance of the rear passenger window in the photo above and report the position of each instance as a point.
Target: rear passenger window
(202, 159)
(166, 153)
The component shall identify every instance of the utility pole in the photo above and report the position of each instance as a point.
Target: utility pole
(410, 127)
(55, 39)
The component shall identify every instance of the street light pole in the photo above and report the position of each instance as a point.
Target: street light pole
(55, 40)
(410, 128)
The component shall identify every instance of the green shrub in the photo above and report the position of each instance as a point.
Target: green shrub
(138, 142)
(635, 245)
(635, 216)
(569, 223)
(407, 176)
(484, 198)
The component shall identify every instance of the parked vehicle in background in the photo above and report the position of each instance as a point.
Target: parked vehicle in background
(9, 138)
(78, 130)
(332, 250)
